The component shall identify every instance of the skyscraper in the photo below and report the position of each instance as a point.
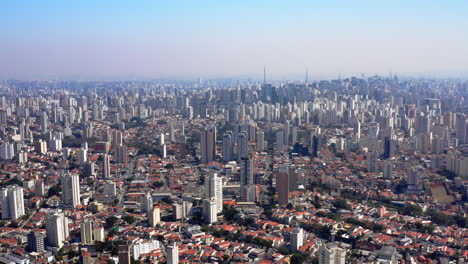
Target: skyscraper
(246, 176)
(282, 185)
(242, 145)
(11, 198)
(208, 144)
(56, 229)
(172, 254)
(227, 146)
(214, 189)
(372, 155)
(71, 190)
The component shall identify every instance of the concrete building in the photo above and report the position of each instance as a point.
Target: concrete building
(71, 190)
(12, 203)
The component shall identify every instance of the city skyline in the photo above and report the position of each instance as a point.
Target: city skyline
(155, 39)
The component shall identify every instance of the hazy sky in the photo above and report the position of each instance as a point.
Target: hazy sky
(223, 38)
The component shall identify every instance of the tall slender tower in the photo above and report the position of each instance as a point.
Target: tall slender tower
(71, 190)
(106, 166)
(227, 146)
(214, 189)
(87, 232)
(246, 176)
(208, 144)
(282, 184)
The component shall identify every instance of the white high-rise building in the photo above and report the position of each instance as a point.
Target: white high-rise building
(210, 211)
(146, 203)
(87, 232)
(56, 229)
(297, 238)
(214, 189)
(71, 190)
(144, 247)
(331, 253)
(98, 234)
(208, 144)
(172, 254)
(11, 198)
(154, 217)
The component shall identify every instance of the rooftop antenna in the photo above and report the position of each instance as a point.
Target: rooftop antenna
(307, 75)
(264, 74)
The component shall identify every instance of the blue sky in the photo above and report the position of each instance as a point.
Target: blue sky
(186, 39)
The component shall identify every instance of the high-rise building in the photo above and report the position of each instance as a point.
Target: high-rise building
(297, 238)
(242, 145)
(280, 141)
(56, 229)
(388, 169)
(7, 151)
(246, 176)
(124, 254)
(228, 146)
(44, 119)
(82, 156)
(146, 203)
(388, 148)
(86, 232)
(172, 254)
(315, 146)
(260, 141)
(331, 253)
(214, 189)
(208, 144)
(11, 198)
(210, 210)
(39, 188)
(372, 155)
(105, 166)
(98, 234)
(180, 210)
(71, 190)
(154, 217)
(110, 189)
(36, 241)
(40, 146)
(282, 185)
(121, 154)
